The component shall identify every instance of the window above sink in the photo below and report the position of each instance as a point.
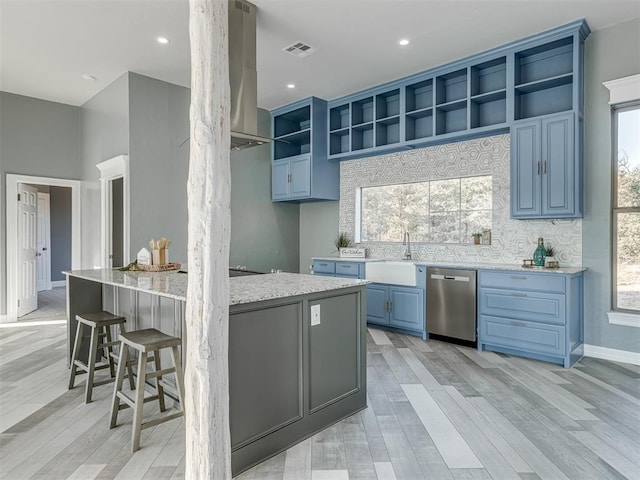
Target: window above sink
(439, 211)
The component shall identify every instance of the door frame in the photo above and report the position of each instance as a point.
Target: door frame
(12, 226)
(47, 234)
(112, 169)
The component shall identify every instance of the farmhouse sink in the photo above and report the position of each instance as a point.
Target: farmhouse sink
(394, 272)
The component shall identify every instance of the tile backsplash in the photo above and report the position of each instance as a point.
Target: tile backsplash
(512, 240)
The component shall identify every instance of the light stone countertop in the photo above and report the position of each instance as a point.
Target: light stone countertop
(244, 289)
(463, 265)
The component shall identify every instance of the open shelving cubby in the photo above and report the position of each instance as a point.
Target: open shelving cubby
(362, 136)
(451, 87)
(388, 118)
(544, 79)
(488, 93)
(292, 122)
(362, 111)
(339, 134)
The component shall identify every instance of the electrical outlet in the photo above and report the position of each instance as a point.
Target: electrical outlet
(315, 315)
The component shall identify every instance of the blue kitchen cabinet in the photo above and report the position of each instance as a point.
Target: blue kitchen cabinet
(339, 268)
(291, 178)
(535, 315)
(545, 173)
(377, 304)
(301, 170)
(395, 306)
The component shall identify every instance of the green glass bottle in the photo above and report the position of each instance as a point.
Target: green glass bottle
(540, 254)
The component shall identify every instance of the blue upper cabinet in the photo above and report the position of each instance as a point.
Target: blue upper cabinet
(301, 170)
(545, 179)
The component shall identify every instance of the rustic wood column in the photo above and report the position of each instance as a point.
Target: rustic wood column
(208, 443)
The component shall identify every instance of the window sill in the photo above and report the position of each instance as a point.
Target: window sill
(626, 319)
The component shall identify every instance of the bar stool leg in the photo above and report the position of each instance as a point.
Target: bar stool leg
(115, 403)
(137, 412)
(74, 356)
(132, 384)
(159, 388)
(91, 364)
(175, 354)
(108, 351)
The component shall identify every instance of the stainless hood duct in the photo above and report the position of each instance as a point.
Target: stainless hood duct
(243, 76)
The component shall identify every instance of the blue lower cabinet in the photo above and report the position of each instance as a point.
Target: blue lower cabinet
(397, 307)
(324, 267)
(377, 304)
(407, 308)
(535, 315)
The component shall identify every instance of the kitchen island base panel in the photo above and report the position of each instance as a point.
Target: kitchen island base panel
(288, 379)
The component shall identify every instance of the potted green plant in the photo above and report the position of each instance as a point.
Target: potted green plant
(476, 238)
(550, 257)
(345, 246)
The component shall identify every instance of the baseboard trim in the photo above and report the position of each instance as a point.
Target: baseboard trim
(613, 354)
(59, 283)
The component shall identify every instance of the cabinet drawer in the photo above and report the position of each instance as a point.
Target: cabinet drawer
(539, 307)
(348, 269)
(530, 336)
(542, 282)
(323, 266)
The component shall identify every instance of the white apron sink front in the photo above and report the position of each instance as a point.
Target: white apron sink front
(396, 273)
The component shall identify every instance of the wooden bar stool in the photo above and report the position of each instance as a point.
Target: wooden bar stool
(145, 342)
(100, 339)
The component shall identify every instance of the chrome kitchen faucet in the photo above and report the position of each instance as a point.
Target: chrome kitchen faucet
(407, 242)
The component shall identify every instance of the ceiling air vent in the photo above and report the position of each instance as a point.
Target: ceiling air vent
(300, 50)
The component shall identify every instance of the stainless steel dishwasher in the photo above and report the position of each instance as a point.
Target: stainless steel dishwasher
(451, 303)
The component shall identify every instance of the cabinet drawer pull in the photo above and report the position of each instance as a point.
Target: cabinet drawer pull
(323, 264)
(346, 266)
(544, 167)
(519, 324)
(538, 167)
(518, 294)
(518, 277)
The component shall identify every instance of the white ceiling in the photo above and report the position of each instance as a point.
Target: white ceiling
(47, 45)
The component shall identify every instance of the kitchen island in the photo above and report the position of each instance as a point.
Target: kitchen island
(290, 375)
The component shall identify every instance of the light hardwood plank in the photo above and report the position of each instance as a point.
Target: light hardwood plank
(384, 471)
(454, 450)
(379, 336)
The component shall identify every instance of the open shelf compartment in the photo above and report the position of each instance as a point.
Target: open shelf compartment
(292, 145)
(339, 117)
(545, 61)
(451, 87)
(419, 96)
(388, 131)
(362, 137)
(339, 142)
(292, 122)
(451, 118)
(419, 125)
(362, 111)
(489, 77)
(489, 109)
(388, 104)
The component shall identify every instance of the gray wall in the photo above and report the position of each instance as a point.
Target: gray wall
(158, 125)
(38, 138)
(264, 235)
(105, 134)
(611, 53)
(318, 231)
(60, 208)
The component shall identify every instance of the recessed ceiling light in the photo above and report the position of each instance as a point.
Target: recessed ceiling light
(163, 40)
(404, 42)
(291, 85)
(86, 76)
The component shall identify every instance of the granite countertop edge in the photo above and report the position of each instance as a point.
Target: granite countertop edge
(465, 265)
(242, 290)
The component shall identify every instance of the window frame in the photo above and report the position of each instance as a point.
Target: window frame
(615, 210)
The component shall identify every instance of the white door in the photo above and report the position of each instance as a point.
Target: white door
(27, 248)
(43, 260)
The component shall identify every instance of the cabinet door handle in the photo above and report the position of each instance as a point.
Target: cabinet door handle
(538, 167)
(289, 177)
(518, 294)
(518, 277)
(544, 167)
(519, 324)
(390, 305)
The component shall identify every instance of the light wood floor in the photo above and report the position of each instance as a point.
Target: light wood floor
(436, 411)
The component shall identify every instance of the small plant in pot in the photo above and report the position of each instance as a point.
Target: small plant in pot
(476, 238)
(550, 258)
(343, 241)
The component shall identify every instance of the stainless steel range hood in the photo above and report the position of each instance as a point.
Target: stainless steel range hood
(243, 76)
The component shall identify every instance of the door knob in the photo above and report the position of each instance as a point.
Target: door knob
(38, 254)
(44, 248)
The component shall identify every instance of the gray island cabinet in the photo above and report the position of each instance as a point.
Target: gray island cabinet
(297, 346)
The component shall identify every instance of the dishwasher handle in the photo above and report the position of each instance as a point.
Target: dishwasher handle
(437, 276)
